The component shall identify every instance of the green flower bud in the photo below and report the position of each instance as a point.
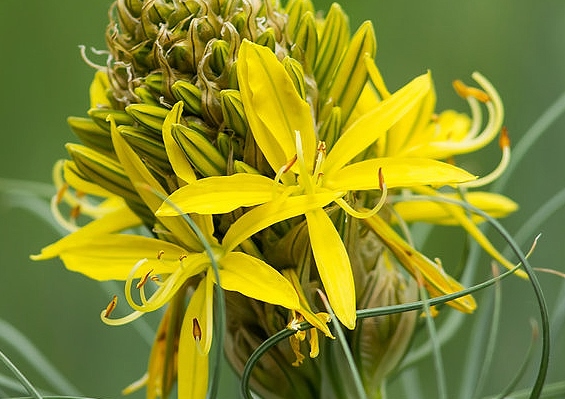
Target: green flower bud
(331, 128)
(296, 73)
(92, 135)
(333, 43)
(202, 154)
(242, 167)
(100, 115)
(189, 94)
(102, 170)
(145, 96)
(350, 76)
(379, 343)
(233, 112)
(147, 147)
(305, 46)
(296, 10)
(149, 116)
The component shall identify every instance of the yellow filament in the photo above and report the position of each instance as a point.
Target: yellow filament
(495, 174)
(367, 214)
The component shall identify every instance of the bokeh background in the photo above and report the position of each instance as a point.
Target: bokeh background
(519, 46)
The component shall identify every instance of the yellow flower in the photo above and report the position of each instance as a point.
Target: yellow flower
(99, 252)
(421, 133)
(306, 181)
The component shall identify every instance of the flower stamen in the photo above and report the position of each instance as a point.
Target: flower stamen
(196, 330)
(504, 143)
(144, 279)
(321, 155)
(364, 215)
(111, 306)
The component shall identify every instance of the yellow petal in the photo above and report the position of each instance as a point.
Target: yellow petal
(333, 266)
(374, 124)
(144, 183)
(76, 180)
(273, 212)
(221, 194)
(464, 221)
(116, 221)
(272, 105)
(495, 205)
(402, 135)
(178, 160)
(98, 91)
(397, 172)
(319, 321)
(256, 279)
(192, 362)
(113, 256)
(436, 281)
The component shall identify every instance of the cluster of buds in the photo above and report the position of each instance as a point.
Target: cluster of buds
(273, 129)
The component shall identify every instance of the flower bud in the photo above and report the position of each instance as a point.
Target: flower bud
(381, 342)
(201, 153)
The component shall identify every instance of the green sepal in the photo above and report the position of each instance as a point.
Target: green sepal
(199, 150)
(189, 94)
(296, 73)
(350, 76)
(99, 116)
(150, 116)
(331, 128)
(333, 43)
(233, 112)
(92, 135)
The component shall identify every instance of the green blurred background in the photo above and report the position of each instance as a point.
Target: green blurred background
(519, 46)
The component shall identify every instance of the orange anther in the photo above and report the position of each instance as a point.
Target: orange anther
(182, 257)
(111, 306)
(465, 91)
(143, 280)
(290, 163)
(382, 183)
(61, 192)
(504, 140)
(160, 254)
(196, 330)
(75, 212)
